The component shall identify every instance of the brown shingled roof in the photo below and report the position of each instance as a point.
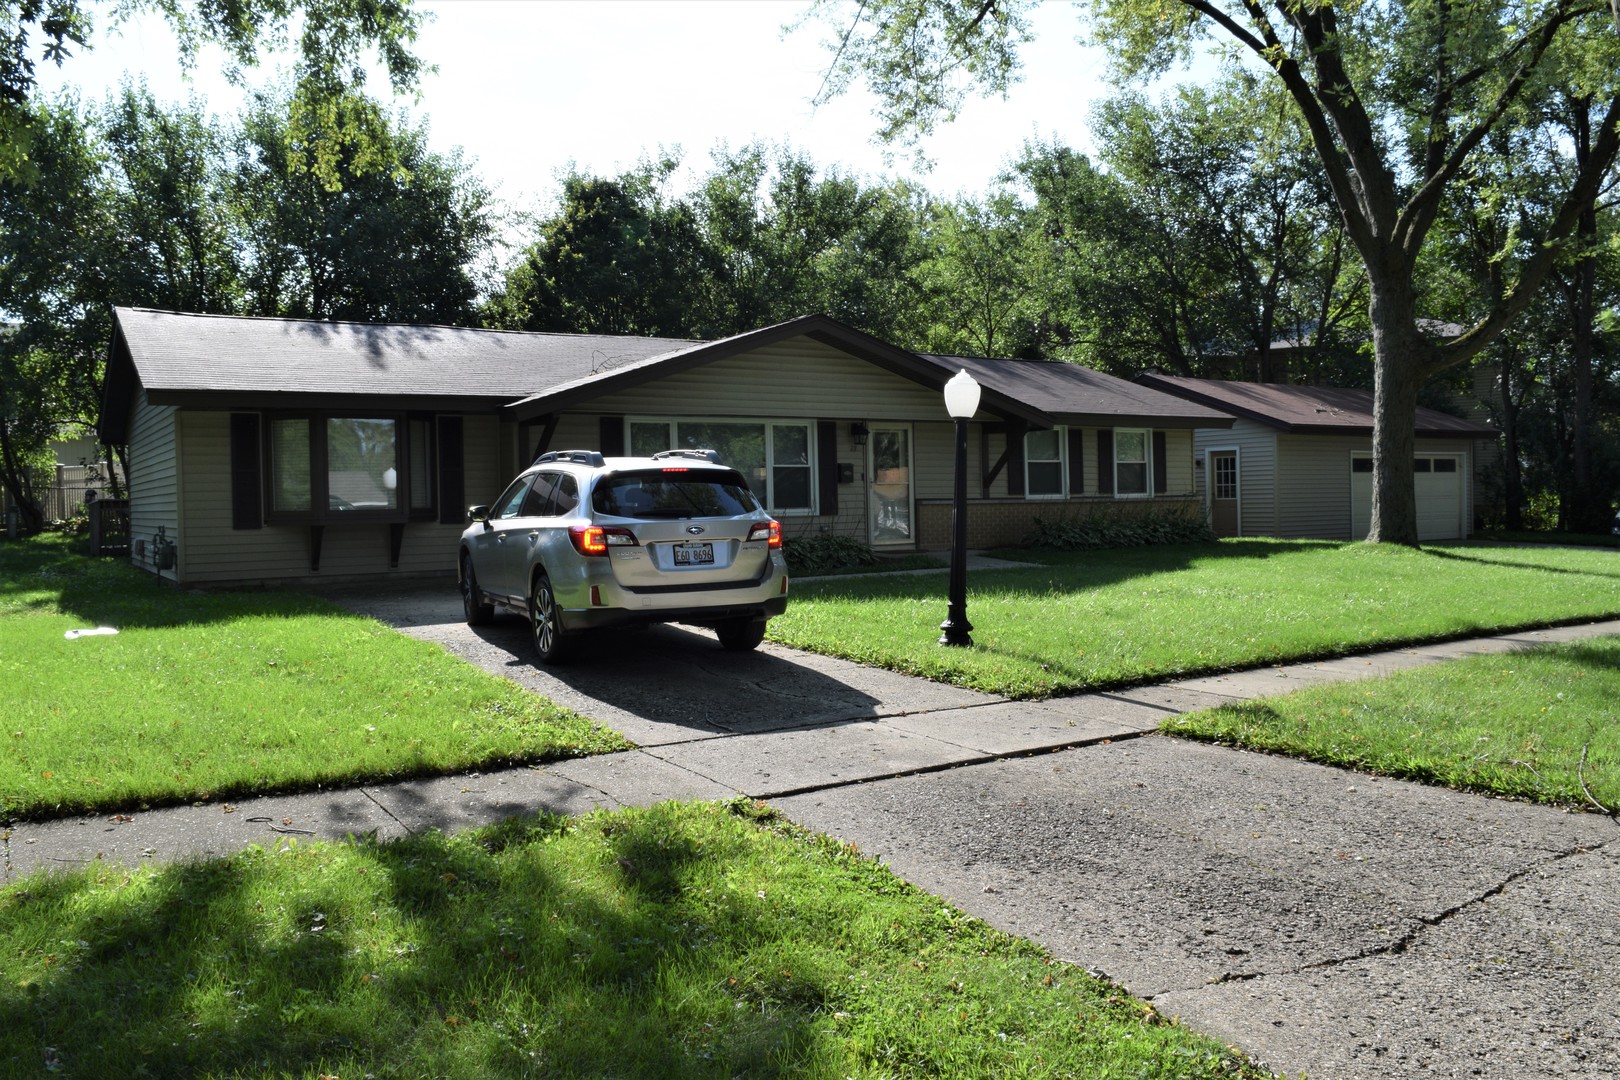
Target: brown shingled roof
(214, 361)
(1080, 396)
(182, 353)
(1306, 408)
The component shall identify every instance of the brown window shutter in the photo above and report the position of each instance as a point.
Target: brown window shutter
(1015, 459)
(247, 473)
(1077, 461)
(452, 472)
(1105, 461)
(1161, 466)
(827, 464)
(610, 436)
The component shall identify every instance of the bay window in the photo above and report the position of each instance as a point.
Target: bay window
(327, 468)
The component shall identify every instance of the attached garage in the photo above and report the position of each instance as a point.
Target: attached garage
(1298, 461)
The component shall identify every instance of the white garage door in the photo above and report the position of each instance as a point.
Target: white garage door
(1438, 480)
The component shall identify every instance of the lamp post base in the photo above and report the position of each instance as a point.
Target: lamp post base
(956, 629)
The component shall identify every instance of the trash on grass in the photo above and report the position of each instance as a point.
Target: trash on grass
(100, 631)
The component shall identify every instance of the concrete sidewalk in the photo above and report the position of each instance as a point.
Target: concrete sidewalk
(1321, 920)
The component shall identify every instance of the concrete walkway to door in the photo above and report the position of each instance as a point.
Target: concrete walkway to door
(1324, 921)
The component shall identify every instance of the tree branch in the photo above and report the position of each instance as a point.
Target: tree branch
(1269, 48)
(1424, 204)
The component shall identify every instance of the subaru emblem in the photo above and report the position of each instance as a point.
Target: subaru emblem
(694, 529)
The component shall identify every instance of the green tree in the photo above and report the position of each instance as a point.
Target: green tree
(58, 243)
(396, 235)
(1396, 98)
(617, 258)
(789, 239)
(983, 278)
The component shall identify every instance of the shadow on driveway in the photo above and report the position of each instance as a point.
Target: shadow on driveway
(661, 684)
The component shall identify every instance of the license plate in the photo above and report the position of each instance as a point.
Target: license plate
(693, 554)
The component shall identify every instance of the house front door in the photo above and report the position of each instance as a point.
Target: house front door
(889, 506)
(1223, 493)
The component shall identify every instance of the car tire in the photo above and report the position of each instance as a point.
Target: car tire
(551, 645)
(477, 610)
(741, 635)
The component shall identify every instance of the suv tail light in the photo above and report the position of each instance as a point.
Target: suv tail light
(595, 540)
(767, 530)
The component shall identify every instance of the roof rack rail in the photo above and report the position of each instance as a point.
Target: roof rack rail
(578, 457)
(711, 456)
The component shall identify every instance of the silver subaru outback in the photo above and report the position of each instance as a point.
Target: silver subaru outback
(581, 542)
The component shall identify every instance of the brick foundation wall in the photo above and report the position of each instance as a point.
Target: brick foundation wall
(1005, 522)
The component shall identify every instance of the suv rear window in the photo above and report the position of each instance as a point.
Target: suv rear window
(673, 493)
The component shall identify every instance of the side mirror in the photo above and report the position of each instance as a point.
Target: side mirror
(478, 513)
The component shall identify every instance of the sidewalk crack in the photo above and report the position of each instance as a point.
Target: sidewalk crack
(1421, 924)
(378, 803)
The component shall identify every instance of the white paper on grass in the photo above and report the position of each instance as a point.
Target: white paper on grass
(100, 631)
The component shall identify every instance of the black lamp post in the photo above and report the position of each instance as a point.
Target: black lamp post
(961, 401)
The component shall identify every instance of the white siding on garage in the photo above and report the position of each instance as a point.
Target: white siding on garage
(154, 479)
(1257, 464)
(215, 553)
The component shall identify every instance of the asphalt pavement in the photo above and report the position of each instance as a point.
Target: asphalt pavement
(1326, 922)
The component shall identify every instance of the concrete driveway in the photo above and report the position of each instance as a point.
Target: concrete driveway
(1326, 922)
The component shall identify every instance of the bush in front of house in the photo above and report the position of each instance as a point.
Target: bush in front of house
(825, 553)
(1114, 528)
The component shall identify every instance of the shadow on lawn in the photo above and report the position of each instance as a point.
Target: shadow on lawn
(1458, 556)
(47, 572)
(1077, 569)
(474, 956)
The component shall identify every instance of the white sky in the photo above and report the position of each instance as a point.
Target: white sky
(526, 88)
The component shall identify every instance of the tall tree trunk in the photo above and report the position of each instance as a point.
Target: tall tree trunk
(1399, 352)
(1588, 509)
(1512, 476)
(14, 474)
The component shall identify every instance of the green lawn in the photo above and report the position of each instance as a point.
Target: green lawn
(1108, 618)
(1516, 724)
(230, 693)
(680, 941)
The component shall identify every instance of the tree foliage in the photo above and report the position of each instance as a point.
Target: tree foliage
(334, 37)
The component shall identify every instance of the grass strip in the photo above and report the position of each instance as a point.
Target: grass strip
(1108, 618)
(1515, 724)
(226, 694)
(684, 940)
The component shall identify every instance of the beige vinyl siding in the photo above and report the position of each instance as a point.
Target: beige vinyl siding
(1257, 473)
(1178, 474)
(154, 479)
(797, 378)
(1313, 484)
(214, 553)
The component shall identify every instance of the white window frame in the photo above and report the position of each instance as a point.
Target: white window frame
(1146, 463)
(672, 425)
(1062, 464)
